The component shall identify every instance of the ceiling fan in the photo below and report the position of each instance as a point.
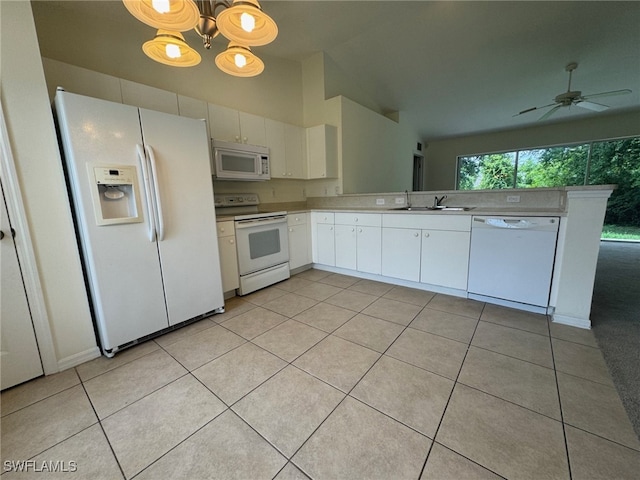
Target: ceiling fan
(575, 98)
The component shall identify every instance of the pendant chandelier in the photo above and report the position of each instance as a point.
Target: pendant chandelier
(242, 22)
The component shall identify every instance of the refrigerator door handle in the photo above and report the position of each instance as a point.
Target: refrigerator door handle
(147, 191)
(156, 193)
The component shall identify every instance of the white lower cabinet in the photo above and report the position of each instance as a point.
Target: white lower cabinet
(445, 258)
(298, 228)
(228, 256)
(401, 253)
(323, 234)
(358, 241)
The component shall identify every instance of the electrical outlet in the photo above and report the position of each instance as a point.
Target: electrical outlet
(513, 198)
(337, 189)
(399, 200)
(379, 201)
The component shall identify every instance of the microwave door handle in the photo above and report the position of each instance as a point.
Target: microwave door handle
(156, 193)
(142, 159)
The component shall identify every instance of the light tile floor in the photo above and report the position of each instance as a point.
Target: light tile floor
(328, 376)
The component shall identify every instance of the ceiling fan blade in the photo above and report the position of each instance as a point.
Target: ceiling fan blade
(625, 91)
(598, 107)
(532, 109)
(549, 113)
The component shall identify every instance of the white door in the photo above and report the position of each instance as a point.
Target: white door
(401, 253)
(189, 249)
(369, 250)
(19, 355)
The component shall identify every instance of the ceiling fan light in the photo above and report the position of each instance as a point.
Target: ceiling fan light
(174, 15)
(170, 48)
(248, 66)
(230, 23)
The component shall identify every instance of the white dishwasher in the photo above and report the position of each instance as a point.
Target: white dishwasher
(511, 260)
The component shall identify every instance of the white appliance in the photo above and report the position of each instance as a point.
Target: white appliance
(262, 241)
(142, 198)
(511, 260)
(239, 161)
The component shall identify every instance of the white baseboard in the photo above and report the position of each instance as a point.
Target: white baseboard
(78, 358)
(571, 321)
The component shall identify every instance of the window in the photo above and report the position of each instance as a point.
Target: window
(596, 163)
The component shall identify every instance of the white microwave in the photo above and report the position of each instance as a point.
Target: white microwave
(239, 161)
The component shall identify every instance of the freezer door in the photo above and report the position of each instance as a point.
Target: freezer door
(189, 243)
(120, 260)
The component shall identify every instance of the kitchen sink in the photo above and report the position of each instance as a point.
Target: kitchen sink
(439, 209)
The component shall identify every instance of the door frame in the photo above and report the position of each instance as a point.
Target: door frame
(26, 253)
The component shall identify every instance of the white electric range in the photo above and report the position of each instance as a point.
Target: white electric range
(262, 241)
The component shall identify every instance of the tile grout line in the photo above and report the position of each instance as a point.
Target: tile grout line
(444, 412)
(555, 374)
(115, 457)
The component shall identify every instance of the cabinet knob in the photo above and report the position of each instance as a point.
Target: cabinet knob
(221, 229)
(353, 229)
(416, 234)
(232, 241)
(355, 219)
(284, 174)
(360, 230)
(289, 174)
(330, 228)
(291, 229)
(237, 139)
(245, 139)
(426, 235)
(297, 219)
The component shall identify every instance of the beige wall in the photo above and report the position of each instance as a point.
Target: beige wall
(39, 168)
(441, 156)
(276, 93)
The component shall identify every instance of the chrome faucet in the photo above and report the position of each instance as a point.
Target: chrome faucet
(406, 192)
(436, 201)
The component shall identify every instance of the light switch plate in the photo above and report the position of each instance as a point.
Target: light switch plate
(513, 198)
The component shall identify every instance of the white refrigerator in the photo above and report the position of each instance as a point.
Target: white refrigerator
(142, 196)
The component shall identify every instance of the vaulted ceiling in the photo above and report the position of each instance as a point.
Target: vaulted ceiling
(451, 68)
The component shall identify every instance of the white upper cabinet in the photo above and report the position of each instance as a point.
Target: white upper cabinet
(252, 129)
(231, 125)
(295, 152)
(81, 81)
(286, 149)
(224, 123)
(322, 152)
(192, 108)
(151, 98)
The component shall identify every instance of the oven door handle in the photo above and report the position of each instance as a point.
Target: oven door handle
(260, 221)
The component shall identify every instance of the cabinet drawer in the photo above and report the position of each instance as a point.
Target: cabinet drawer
(296, 219)
(323, 217)
(364, 219)
(428, 222)
(226, 229)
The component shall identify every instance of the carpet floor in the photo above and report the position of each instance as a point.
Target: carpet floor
(615, 317)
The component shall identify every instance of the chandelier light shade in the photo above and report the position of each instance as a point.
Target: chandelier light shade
(239, 61)
(245, 23)
(242, 22)
(170, 48)
(174, 15)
